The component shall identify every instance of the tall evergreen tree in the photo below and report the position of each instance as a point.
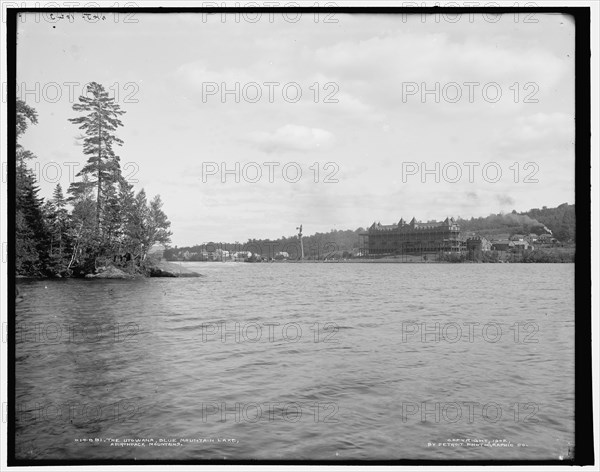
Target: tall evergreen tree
(31, 233)
(57, 219)
(126, 196)
(99, 126)
(25, 113)
(158, 224)
(112, 221)
(137, 225)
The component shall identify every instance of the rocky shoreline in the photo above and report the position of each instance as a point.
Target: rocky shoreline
(169, 269)
(151, 269)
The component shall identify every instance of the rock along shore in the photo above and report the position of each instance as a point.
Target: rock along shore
(110, 272)
(152, 269)
(169, 269)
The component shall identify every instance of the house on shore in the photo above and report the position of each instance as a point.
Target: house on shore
(478, 243)
(503, 245)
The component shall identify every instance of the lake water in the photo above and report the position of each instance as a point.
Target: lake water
(300, 361)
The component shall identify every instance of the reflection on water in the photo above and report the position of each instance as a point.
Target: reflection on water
(300, 361)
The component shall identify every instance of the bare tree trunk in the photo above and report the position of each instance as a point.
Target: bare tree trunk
(76, 247)
(99, 167)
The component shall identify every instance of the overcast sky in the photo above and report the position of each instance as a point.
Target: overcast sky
(369, 119)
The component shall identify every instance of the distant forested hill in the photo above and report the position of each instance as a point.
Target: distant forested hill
(560, 221)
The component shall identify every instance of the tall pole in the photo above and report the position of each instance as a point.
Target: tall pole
(299, 228)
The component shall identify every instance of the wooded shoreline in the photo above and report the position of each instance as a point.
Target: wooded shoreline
(101, 222)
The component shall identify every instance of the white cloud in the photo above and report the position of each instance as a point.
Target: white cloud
(292, 137)
(375, 70)
(537, 135)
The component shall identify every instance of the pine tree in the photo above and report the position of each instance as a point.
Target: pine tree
(31, 225)
(24, 113)
(138, 225)
(158, 224)
(99, 125)
(31, 233)
(127, 202)
(112, 222)
(57, 219)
